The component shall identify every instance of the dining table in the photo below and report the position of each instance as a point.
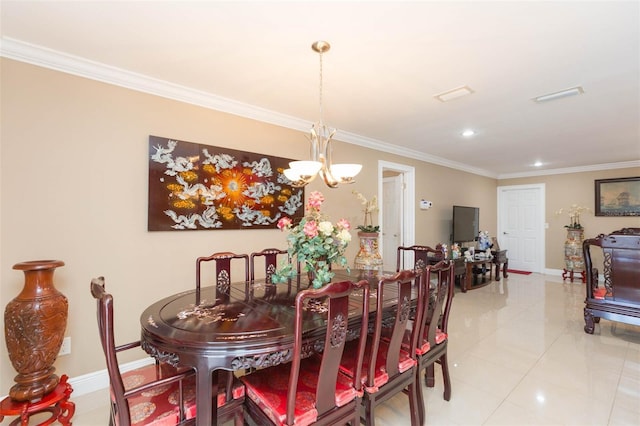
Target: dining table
(250, 326)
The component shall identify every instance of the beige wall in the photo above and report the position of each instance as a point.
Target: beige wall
(73, 186)
(562, 191)
(73, 178)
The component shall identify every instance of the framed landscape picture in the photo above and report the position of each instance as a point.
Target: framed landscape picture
(618, 197)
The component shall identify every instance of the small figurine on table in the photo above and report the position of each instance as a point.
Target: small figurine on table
(468, 256)
(484, 242)
(455, 251)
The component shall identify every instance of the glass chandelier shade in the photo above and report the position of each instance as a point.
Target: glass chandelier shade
(300, 173)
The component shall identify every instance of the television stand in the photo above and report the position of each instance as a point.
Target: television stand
(479, 267)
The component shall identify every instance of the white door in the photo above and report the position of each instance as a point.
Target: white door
(521, 226)
(397, 202)
(392, 220)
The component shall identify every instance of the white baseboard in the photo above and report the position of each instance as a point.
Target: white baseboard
(99, 380)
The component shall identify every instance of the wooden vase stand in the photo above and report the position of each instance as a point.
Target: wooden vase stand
(55, 402)
(566, 273)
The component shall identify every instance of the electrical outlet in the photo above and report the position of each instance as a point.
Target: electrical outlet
(65, 349)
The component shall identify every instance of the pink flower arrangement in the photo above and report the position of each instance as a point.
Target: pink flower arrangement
(316, 242)
(310, 229)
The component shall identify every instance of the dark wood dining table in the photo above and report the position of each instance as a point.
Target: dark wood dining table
(251, 326)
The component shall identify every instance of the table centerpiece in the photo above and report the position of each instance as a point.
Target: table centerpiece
(315, 242)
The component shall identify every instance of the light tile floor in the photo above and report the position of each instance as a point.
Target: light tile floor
(518, 355)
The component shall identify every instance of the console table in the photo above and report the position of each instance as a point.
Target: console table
(472, 270)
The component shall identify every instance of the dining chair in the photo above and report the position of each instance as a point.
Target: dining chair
(422, 256)
(433, 342)
(222, 261)
(157, 394)
(389, 368)
(270, 262)
(310, 389)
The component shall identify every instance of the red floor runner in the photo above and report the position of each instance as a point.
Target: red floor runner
(517, 271)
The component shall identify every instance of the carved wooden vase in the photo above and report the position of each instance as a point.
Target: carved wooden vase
(34, 326)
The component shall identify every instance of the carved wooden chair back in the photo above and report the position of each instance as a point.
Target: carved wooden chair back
(390, 362)
(270, 262)
(222, 261)
(158, 394)
(162, 379)
(432, 345)
(620, 256)
(310, 389)
(422, 255)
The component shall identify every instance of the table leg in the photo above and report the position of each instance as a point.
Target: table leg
(206, 387)
(468, 276)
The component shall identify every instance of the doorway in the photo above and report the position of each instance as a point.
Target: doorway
(396, 189)
(521, 225)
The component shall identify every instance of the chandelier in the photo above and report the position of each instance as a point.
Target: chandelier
(300, 173)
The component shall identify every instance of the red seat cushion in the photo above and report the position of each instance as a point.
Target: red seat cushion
(347, 365)
(159, 406)
(424, 346)
(268, 389)
(599, 293)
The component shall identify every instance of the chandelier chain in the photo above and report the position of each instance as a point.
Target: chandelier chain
(300, 173)
(321, 109)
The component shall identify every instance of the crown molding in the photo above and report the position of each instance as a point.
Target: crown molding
(70, 64)
(75, 65)
(591, 168)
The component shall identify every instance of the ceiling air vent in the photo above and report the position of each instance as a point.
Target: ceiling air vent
(452, 94)
(578, 90)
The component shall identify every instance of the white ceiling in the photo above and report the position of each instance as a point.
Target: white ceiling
(387, 61)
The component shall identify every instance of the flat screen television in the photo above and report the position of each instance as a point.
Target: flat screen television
(466, 223)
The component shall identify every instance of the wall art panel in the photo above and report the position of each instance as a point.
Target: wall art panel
(195, 187)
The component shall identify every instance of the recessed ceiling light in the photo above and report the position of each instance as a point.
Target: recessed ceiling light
(453, 94)
(578, 90)
(537, 164)
(468, 133)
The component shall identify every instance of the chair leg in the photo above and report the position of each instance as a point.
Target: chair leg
(369, 418)
(413, 404)
(356, 416)
(420, 398)
(429, 376)
(445, 376)
(238, 418)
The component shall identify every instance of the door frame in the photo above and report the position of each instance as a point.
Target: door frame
(408, 199)
(542, 225)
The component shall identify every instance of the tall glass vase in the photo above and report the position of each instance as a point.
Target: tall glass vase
(368, 257)
(34, 325)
